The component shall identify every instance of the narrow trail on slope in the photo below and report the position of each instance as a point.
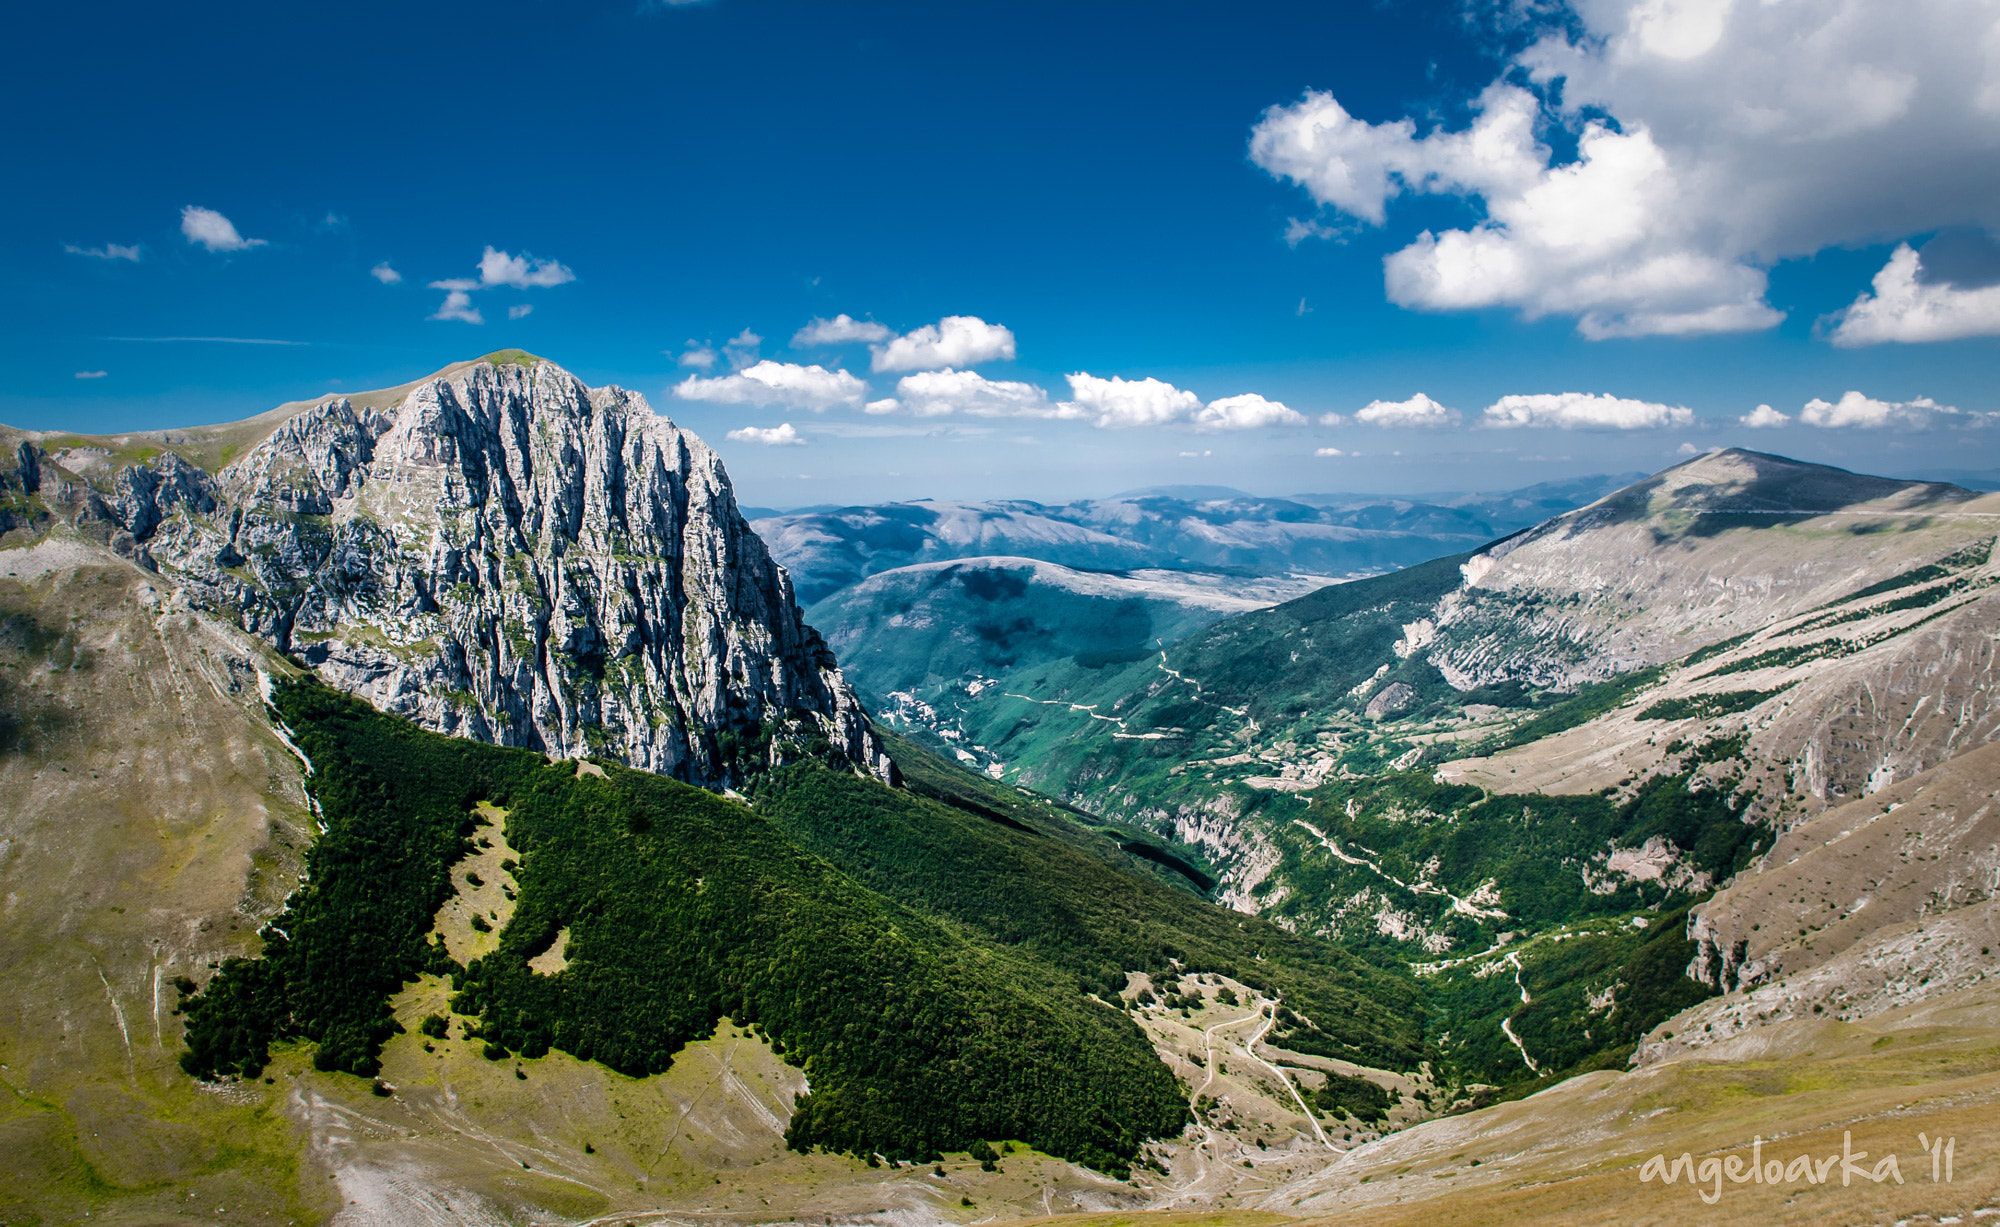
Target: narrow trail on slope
(1265, 1011)
(1462, 906)
(1208, 1131)
(1507, 1029)
(1250, 1050)
(1089, 709)
(1242, 712)
(1507, 1024)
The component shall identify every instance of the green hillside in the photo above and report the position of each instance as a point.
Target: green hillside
(920, 627)
(1030, 887)
(930, 966)
(682, 908)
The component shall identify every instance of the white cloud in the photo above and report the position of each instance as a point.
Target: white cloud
(1763, 417)
(496, 268)
(1740, 134)
(1329, 451)
(771, 436)
(214, 231)
(1905, 308)
(699, 356)
(778, 383)
(110, 251)
(1332, 419)
(1357, 167)
(386, 275)
(1117, 403)
(1584, 411)
(1298, 230)
(1866, 413)
(1419, 411)
(838, 331)
(92, 374)
(457, 303)
(954, 341)
(937, 393)
(741, 349)
(1246, 412)
(520, 272)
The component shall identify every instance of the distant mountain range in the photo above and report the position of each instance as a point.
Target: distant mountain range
(1186, 528)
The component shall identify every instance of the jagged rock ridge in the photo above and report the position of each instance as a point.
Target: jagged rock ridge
(503, 553)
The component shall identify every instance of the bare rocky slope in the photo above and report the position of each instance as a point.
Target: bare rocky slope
(497, 552)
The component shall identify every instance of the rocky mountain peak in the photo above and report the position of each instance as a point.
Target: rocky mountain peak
(501, 552)
(1736, 482)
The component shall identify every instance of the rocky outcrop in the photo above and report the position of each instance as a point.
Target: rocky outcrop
(509, 555)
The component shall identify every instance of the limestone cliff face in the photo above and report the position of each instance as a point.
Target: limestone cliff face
(508, 555)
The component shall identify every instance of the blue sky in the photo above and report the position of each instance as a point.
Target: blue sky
(1646, 219)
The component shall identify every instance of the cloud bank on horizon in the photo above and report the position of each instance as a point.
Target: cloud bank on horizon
(1713, 138)
(1118, 403)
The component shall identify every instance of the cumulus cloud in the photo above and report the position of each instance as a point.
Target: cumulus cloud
(521, 272)
(386, 275)
(770, 436)
(1245, 412)
(496, 268)
(1118, 403)
(937, 393)
(110, 251)
(1328, 451)
(954, 341)
(839, 331)
(214, 231)
(457, 303)
(1584, 411)
(1420, 411)
(518, 310)
(1332, 419)
(1739, 135)
(1903, 307)
(1763, 417)
(778, 383)
(92, 374)
(1357, 167)
(1866, 413)
(700, 357)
